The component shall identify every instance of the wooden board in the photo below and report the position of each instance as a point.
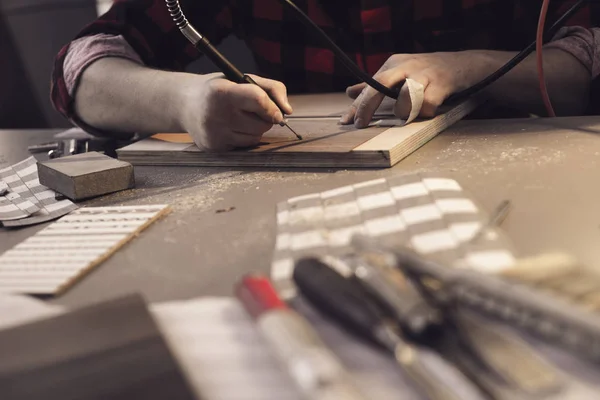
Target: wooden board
(325, 144)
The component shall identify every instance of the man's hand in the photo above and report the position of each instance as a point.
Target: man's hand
(222, 115)
(441, 74)
(118, 95)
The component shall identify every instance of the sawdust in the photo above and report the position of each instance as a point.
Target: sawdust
(191, 189)
(490, 157)
(204, 193)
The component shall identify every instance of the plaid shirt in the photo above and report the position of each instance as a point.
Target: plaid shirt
(369, 31)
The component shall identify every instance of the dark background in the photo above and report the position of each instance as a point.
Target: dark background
(31, 34)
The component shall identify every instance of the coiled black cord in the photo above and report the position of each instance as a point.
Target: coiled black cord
(182, 23)
(177, 13)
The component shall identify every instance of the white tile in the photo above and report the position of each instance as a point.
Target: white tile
(306, 215)
(336, 192)
(342, 210)
(409, 190)
(304, 197)
(282, 269)
(369, 183)
(307, 240)
(432, 242)
(464, 231)
(385, 225)
(456, 206)
(420, 214)
(491, 261)
(282, 241)
(343, 236)
(375, 201)
(442, 184)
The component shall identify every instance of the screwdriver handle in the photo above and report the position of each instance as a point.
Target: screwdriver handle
(345, 301)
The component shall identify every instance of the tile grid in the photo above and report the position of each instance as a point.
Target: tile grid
(24, 201)
(432, 215)
(54, 258)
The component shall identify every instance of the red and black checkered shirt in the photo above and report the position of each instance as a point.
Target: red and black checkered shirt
(369, 31)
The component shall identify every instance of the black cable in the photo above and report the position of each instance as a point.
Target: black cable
(394, 93)
(458, 96)
(348, 63)
(182, 23)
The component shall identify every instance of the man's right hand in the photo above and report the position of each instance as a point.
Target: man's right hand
(221, 115)
(121, 96)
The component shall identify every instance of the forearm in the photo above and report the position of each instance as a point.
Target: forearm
(119, 95)
(567, 80)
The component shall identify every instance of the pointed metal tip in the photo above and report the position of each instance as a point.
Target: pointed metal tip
(284, 123)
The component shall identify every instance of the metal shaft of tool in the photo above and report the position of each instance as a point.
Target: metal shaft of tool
(283, 123)
(495, 220)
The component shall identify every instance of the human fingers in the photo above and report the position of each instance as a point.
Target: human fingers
(370, 99)
(249, 123)
(354, 91)
(240, 140)
(213, 137)
(425, 104)
(435, 95)
(348, 116)
(277, 90)
(253, 99)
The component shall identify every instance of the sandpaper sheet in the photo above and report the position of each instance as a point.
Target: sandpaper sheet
(27, 202)
(53, 259)
(430, 214)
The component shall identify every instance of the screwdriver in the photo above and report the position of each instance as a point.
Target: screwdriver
(346, 302)
(416, 317)
(315, 369)
(500, 363)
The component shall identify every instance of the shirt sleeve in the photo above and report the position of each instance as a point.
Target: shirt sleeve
(139, 30)
(584, 45)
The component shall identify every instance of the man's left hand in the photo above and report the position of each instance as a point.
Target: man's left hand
(441, 74)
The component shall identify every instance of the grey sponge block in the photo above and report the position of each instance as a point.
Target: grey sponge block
(86, 175)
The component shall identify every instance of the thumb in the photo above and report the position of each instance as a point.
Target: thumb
(276, 90)
(355, 90)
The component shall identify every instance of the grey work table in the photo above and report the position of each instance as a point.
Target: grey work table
(549, 169)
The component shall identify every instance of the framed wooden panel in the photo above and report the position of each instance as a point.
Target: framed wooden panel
(326, 143)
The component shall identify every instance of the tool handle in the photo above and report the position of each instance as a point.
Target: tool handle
(508, 356)
(439, 379)
(228, 69)
(345, 301)
(341, 299)
(315, 369)
(410, 310)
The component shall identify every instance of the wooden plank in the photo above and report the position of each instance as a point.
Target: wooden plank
(401, 141)
(325, 144)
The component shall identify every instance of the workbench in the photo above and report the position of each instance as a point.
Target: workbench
(548, 168)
